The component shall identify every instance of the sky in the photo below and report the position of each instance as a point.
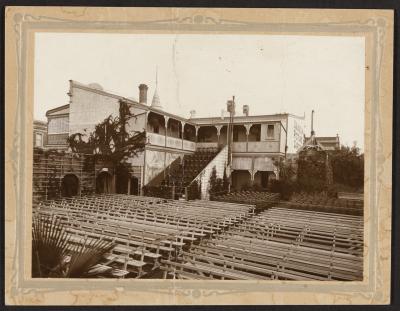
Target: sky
(270, 73)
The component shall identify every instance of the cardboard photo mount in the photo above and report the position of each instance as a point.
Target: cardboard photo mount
(22, 23)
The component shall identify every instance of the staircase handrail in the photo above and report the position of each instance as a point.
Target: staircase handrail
(209, 164)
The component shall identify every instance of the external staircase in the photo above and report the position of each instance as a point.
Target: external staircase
(182, 171)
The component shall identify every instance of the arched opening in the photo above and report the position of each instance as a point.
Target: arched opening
(207, 134)
(103, 183)
(239, 133)
(255, 133)
(70, 185)
(272, 176)
(155, 123)
(125, 183)
(223, 139)
(174, 128)
(241, 179)
(134, 187)
(122, 182)
(261, 179)
(189, 132)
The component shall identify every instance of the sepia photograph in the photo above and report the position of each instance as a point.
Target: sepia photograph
(201, 150)
(198, 157)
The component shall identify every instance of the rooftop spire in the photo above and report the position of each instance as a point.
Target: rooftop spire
(156, 77)
(155, 103)
(312, 123)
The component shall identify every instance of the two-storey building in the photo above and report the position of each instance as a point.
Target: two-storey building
(258, 142)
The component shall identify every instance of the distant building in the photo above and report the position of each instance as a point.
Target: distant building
(319, 142)
(326, 143)
(39, 134)
(258, 141)
(58, 127)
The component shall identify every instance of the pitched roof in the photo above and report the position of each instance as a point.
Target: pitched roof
(58, 110)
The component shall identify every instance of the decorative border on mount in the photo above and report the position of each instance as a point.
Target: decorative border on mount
(195, 22)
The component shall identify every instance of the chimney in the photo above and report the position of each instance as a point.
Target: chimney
(246, 110)
(192, 114)
(143, 94)
(230, 106)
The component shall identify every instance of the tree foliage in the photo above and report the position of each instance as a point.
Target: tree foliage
(111, 139)
(194, 191)
(218, 186)
(348, 166)
(312, 171)
(286, 184)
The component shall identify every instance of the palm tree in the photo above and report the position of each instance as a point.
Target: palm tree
(55, 256)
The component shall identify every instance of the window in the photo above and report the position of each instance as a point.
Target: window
(38, 140)
(255, 132)
(270, 131)
(58, 125)
(156, 129)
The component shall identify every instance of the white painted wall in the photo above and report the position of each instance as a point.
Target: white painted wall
(138, 122)
(219, 162)
(156, 162)
(296, 130)
(88, 108)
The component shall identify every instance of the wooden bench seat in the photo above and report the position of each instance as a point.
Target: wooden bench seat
(123, 241)
(127, 261)
(224, 273)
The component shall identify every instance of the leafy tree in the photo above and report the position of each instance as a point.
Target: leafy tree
(218, 186)
(348, 166)
(194, 190)
(312, 171)
(286, 184)
(111, 139)
(225, 181)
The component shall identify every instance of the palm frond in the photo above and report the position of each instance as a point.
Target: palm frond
(52, 246)
(49, 244)
(86, 255)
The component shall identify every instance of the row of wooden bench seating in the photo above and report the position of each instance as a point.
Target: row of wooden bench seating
(144, 229)
(111, 226)
(312, 218)
(294, 251)
(138, 201)
(147, 217)
(316, 230)
(253, 194)
(261, 200)
(227, 261)
(357, 211)
(194, 210)
(132, 253)
(177, 217)
(302, 198)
